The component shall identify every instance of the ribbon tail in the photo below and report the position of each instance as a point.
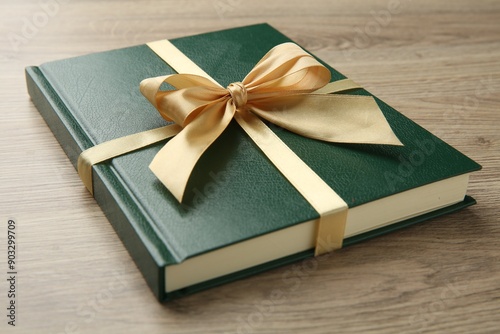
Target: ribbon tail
(174, 163)
(333, 118)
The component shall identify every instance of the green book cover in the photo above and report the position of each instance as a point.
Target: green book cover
(235, 194)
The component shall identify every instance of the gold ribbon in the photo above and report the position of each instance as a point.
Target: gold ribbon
(288, 88)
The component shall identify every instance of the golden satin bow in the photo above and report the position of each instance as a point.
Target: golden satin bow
(280, 89)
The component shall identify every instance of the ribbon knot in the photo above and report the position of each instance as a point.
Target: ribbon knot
(238, 93)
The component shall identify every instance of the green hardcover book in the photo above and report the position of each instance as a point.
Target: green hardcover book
(240, 216)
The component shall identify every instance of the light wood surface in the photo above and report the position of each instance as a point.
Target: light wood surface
(438, 62)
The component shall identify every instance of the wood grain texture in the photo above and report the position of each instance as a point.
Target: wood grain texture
(438, 62)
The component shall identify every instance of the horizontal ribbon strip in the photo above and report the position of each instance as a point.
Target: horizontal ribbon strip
(119, 146)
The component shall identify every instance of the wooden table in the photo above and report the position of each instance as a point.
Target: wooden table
(438, 62)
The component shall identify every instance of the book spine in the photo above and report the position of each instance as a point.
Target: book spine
(124, 215)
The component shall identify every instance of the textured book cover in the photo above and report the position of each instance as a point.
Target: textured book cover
(235, 194)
